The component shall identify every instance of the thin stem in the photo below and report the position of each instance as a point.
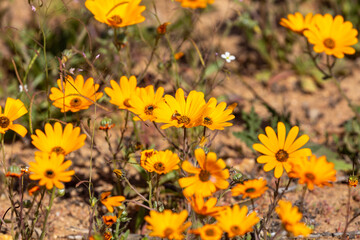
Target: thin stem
(48, 213)
(276, 199)
(347, 213)
(122, 133)
(302, 199)
(157, 190)
(184, 144)
(255, 228)
(313, 58)
(2, 137)
(164, 136)
(21, 181)
(151, 58)
(150, 191)
(37, 213)
(134, 189)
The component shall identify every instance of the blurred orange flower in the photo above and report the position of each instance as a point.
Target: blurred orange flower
(116, 13)
(110, 202)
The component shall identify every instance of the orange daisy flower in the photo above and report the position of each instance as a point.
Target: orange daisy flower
(206, 179)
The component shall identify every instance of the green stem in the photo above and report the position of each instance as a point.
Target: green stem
(36, 213)
(2, 137)
(48, 213)
(150, 190)
(150, 60)
(184, 146)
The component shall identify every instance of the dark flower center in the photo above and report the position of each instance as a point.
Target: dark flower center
(149, 110)
(126, 103)
(167, 232)
(204, 176)
(210, 232)
(183, 119)
(235, 230)
(282, 156)
(49, 173)
(58, 150)
(250, 190)
(4, 122)
(75, 102)
(207, 121)
(310, 176)
(175, 116)
(115, 20)
(159, 166)
(329, 43)
(149, 154)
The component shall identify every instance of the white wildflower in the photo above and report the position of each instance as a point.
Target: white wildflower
(228, 57)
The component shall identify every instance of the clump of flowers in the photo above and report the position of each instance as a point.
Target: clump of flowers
(280, 150)
(75, 95)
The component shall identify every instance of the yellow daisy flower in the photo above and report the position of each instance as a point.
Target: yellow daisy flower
(236, 221)
(208, 232)
(195, 3)
(216, 117)
(207, 208)
(181, 111)
(281, 150)
(55, 140)
(50, 170)
(332, 35)
(145, 155)
(14, 108)
(116, 13)
(207, 179)
(290, 218)
(316, 171)
(146, 102)
(167, 224)
(162, 162)
(250, 188)
(75, 95)
(111, 202)
(121, 93)
(297, 23)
